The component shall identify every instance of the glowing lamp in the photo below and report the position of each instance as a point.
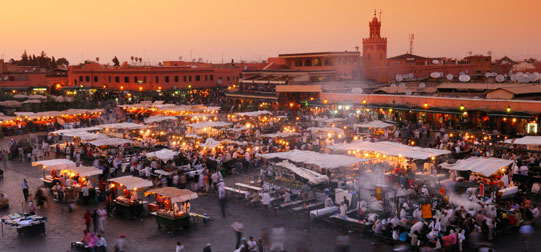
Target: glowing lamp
(425, 105)
(508, 109)
(462, 107)
(140, 88)
(364, 101)
(325, 101)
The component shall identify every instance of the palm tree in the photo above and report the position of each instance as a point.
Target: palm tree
(98, 59)
(132, 60)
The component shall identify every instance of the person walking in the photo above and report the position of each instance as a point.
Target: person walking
(237, 226)
(24, 187)
(180, 247)
(207, 248)
(221, 197)
(120, 244)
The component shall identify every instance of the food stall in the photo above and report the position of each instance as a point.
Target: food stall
(172, 207)
(78, 177)
(28, 225)
(127, 192)
(53, 165)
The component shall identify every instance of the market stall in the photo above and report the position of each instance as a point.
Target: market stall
(127, 192)
(76, 178)
(163, 154)
(172, 207)
(53, 165)
(27, 225)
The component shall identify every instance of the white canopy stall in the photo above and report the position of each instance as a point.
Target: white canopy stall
(322, 160)
(254, 113)
(390, 149)
(157, 119)
(281, 134)
(313, 177)
(55, 164)
(111, 142)
(373, 124)
(131, 182)
(163, 154)
(482, 165)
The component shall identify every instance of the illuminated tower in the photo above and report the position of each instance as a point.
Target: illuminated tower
(375, 52)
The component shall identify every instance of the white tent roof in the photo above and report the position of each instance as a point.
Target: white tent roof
(176, 195)
(55, 164)
(390, 149)
(254, 113)
(335, 130)
(123, 125)
(210, 143)
(280, 134)
(374, 124)
(313, 177)
(527, 140)
(211, 124)
(481, 165)
(110, 142)
(329, 120)
(320, 159)
(163, 154)
(131, 182)
(85, 171)
(154, 119)
(74, 132)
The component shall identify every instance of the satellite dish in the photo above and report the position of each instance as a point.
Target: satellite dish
(219, 81)
(513, 78)
(357, 91)
(399, 77)
(450, 77)
(410, 75)
(464, 78)
(422, 85)
(488, 74)
(533, 78)
(393, 85)
(500, 78)
(245, 68)
(461, 73)
(435, 62)
(401, 84)
(408, 92)
(435, 75)
(6, 78)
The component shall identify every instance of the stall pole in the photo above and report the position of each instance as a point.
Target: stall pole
(2, 230)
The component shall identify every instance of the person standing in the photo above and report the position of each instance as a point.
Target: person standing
(95, 220)
(102, 214)
(101, 245)
(24, 187)
(88, 219)
(237, 226)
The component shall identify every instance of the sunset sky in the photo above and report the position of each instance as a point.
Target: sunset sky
(257, 29)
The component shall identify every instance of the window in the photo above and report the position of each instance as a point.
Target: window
(298, 62)
(166, 79)
(95, 78)
(176, 78)
(126, 79)
(87, 78)
(144, 79)
(211, 77)
(206, 77)
(117, 79)
(184, 77)
(307, 62)
(190, 78)
(157, 79)
(328, 62)
(81, 78)
(228, 78)
(197, 78)
(135, 79)
(75, 81)
(109, 78)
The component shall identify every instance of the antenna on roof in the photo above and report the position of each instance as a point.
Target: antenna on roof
(411, 43)
(380, 15)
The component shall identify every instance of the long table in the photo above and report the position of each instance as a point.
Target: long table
(172, 224)
(255, 188)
